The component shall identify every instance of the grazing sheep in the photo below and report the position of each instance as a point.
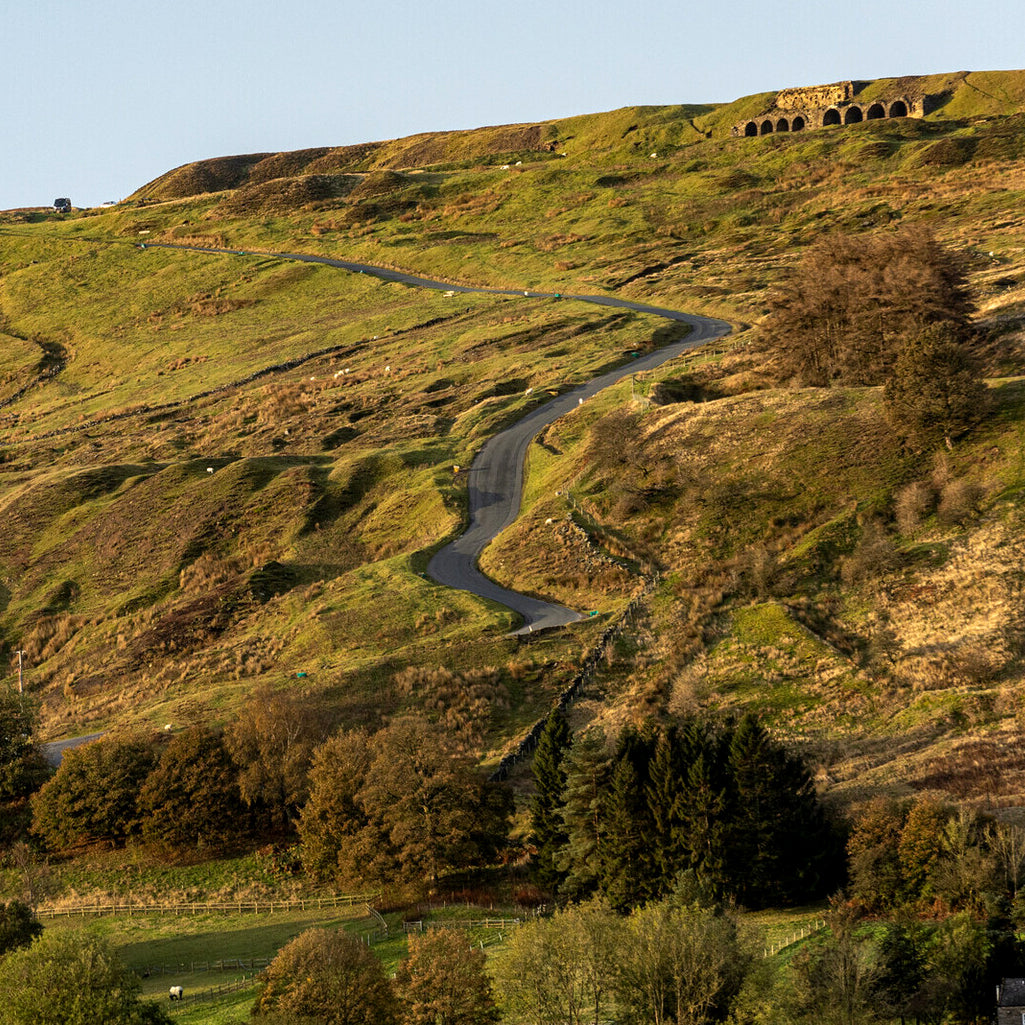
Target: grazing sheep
(175, 993)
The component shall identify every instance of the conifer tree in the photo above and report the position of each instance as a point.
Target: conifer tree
(625, 877)
(587, 776)
(707, 817)
(548, 830)
(778, 833)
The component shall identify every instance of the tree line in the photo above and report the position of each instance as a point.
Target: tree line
(403, 805)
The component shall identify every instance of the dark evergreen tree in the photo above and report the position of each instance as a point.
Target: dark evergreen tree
(587, 776)
(627, 871)
(903, 965)
(18, 926)
(706, 826)
(22, 768)
(547, 827)
(779, 838)
(666, 798)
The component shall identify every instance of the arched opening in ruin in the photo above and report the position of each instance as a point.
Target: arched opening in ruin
(782, 125)
(797, 125)
(877, 110)
(750, 128)
(898, 109)
(766, 128)
(853, 116)
(832, 117)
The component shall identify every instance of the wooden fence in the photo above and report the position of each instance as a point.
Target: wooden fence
(462, 923)
(800, 933)
(239, 907)
(228, 964)
(207, 995)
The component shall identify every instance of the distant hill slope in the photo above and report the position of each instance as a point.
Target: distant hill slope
(629, 131)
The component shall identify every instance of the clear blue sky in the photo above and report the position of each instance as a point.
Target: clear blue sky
(101, 96)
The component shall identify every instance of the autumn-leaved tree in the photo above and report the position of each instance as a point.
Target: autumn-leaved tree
(272, 740)
(329, 978)
(404, 805)
(437, 811)
(848, 308)
(338, 841)
(443, 981)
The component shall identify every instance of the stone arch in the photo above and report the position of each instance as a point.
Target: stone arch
(898, 109)
(766, 128)
(750, 128)
(853, 115)
(797, 125)
(782, 125)
(831, 117)
(877, 110)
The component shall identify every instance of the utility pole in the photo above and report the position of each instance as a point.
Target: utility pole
(19, 653)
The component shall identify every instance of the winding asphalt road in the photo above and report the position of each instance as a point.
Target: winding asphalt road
(495, 484)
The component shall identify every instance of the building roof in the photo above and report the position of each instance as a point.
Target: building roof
(1012, 993)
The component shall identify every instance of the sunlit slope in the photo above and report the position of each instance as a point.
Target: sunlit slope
(220, 470)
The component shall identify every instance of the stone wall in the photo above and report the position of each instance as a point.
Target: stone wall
(810, 97)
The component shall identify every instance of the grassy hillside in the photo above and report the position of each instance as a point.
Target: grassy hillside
(220, 470)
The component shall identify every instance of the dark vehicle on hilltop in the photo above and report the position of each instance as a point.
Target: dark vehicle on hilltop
(62, 205)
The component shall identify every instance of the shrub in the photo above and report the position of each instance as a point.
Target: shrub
(959, 499)
(912, 505)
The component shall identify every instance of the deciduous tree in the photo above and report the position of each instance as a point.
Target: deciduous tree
(680, 965)
(847, 309)
(93, 796)
(72, 978)
(443, 981)
(272, 740)
(329, 978)
(191, 800)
